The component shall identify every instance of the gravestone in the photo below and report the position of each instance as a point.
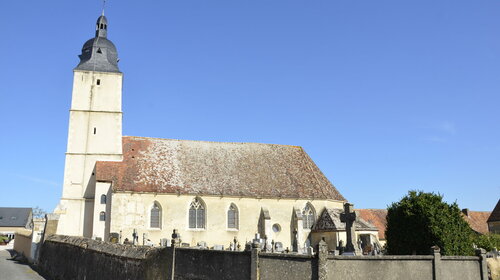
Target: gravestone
(176, 238)
(349, 217)
(257, 240)
(219, 247)
(114, 237)
(310, 250)
(248, 246)
(165, 242)
(135, 237)
(278, 247)
(341, 247)
(307, 244)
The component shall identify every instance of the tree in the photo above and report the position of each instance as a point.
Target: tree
(421, 220)
(38, 212)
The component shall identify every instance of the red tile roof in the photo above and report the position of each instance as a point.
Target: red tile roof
(477, 220)
(214, 168)
(377, 217)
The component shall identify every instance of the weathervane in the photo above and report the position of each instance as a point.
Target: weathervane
(103, 6)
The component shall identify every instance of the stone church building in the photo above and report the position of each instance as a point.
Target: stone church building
(211, 192)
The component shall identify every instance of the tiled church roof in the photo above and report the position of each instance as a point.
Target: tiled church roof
(214, 168)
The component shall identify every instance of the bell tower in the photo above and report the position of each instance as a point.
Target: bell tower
(95, 130)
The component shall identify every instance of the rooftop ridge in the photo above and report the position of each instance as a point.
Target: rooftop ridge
(205, 141)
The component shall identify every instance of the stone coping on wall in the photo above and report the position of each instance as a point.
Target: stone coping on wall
(282, 255)
(119, 250)
(379, 258)
(210, 250)
(24, 233)
(459, 258)
(404, 257)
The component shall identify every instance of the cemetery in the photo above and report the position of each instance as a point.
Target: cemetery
(65, 257)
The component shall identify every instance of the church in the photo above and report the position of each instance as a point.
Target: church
(211, 192)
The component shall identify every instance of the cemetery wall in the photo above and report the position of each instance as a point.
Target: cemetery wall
(211, 264)
(460, 268)
(287, 266)
(404, 267)
(387, 267)
(22, 244)
(65, 257)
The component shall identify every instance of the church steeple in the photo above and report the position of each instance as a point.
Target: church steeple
(94, 134)
(101, 29)
(99, 53)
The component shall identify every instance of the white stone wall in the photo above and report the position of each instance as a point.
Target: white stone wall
(94, 134)
(99, 227)
(131, 211)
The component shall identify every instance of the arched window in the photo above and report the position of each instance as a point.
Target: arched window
(232, 217)
(103, 199)
(197, 213)
(308, 216)
(102, 216)
(155, 218)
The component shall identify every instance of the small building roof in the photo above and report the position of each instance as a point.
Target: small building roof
(14, 217)
(495, 214)
(377, 217)
(330, 221)
(477, 220)
(214, 168)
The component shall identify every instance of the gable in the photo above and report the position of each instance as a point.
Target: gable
(330, 221)
(495, 214)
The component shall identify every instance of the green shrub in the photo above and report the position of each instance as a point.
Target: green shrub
(487, 241)
(421, 220)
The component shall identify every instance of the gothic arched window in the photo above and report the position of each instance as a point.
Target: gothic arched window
(232, 217)
(155, 217)
(103, 199)
(197, 213)
(102, 216)
(308, 216)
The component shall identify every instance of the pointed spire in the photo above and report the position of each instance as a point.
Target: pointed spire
(103, 7)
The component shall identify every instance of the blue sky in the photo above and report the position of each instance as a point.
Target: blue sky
(386, 96)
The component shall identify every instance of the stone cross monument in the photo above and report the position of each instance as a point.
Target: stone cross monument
(349, 218)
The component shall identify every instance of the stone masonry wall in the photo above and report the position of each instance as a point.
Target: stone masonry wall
(287, 266)
(22, 244)
(211, 264)
(65, 257)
